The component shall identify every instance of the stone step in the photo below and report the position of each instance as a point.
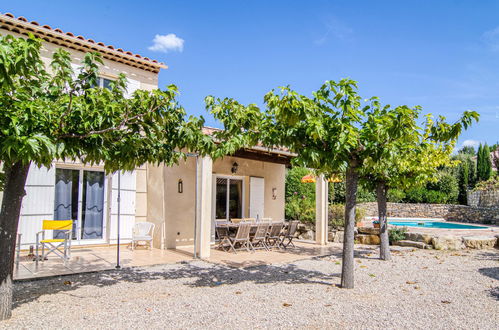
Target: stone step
(368, 230)
(479, 242)
(419, 245)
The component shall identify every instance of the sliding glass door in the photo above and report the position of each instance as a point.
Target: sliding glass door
(228, 198)
(80, 196)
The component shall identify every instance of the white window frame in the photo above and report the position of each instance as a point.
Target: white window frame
(105, 220)
(214, 195)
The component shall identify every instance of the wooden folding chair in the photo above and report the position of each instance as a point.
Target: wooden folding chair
(274, 237)
(289, 234)
(259, 240)
(53, 245)
(241, 238)
(223, 235)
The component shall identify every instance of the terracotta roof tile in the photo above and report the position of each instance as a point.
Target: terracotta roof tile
(21, 25)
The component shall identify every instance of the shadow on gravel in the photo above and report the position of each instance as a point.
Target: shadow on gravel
(199, 274)
(492, 272)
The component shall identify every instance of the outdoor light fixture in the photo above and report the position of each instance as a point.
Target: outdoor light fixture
(180, 186)
(274, 193)
(234, 168)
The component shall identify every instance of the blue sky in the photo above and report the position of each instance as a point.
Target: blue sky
(442, 55)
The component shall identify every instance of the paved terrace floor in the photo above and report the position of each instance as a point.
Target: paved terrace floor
(94, 259)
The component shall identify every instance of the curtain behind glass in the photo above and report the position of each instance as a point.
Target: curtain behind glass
(93, 205)
(66, 198)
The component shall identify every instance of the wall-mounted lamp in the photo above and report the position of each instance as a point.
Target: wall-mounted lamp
(274, 193)
(180, 186)
(234, 168)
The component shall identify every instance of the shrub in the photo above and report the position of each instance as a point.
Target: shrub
(396, 234)
(448, 185)
(300, 208)
(363, 194)
(415, 195)
(294, 186)
(396, 195)
(491, 184)
(337, 215)
(435, 197)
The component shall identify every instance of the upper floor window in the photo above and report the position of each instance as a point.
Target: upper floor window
(104, 82)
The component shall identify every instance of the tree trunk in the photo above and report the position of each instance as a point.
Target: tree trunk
(384, 247)
(347, 270)
(15, 179)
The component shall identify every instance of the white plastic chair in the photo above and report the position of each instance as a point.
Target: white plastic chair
(143, 232)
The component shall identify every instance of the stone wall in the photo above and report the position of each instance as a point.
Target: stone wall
(460, 213)
(483, 198)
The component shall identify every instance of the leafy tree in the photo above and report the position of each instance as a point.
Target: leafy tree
(487, 167)
(463, 183)
(326, 131)
(479, 162)
(334, 131)
(467, 150)
(484, 163)
(402, 155)
(56, 114)
(472, 172)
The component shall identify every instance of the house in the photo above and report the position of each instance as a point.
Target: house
(183, 201)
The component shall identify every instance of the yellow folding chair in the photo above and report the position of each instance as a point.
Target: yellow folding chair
(53, 245)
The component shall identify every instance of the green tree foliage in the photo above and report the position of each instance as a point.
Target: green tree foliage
(324, 130)
(463, 183)
(484, 163)
(55, 113)
(294, 186)
(472, 172)
(402, 155)
(487, 167)
(467, 150)
(333, 131)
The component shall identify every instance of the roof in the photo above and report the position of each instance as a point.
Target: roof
(275, 150)
(67, 39)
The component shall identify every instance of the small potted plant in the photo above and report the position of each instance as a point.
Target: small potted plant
(376, 224)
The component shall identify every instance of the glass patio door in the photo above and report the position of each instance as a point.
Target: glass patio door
(80, 196)
(228, 198)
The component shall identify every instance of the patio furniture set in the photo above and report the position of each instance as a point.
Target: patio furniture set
(250, 235)
(60, 244)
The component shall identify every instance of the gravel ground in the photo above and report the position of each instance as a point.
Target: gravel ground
(417, 289)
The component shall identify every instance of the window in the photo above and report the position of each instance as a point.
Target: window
(79, 196)
(103, 82)
(229, 198)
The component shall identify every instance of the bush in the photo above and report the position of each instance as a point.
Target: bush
(491, 184)
(363, 194)
(294, 186)
(415, 195)
(435, 197)
(396, 195)
(396, 234)
(337, 215)
(446, 184)
(300, 208)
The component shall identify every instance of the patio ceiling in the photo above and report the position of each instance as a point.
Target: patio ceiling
(265, 156)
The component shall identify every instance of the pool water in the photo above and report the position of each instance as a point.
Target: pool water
(434, 224)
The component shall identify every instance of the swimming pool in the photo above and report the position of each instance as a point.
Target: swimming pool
(433, 224)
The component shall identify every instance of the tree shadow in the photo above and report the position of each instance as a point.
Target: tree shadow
(196, 273)
(492, 254)
(493, 273)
